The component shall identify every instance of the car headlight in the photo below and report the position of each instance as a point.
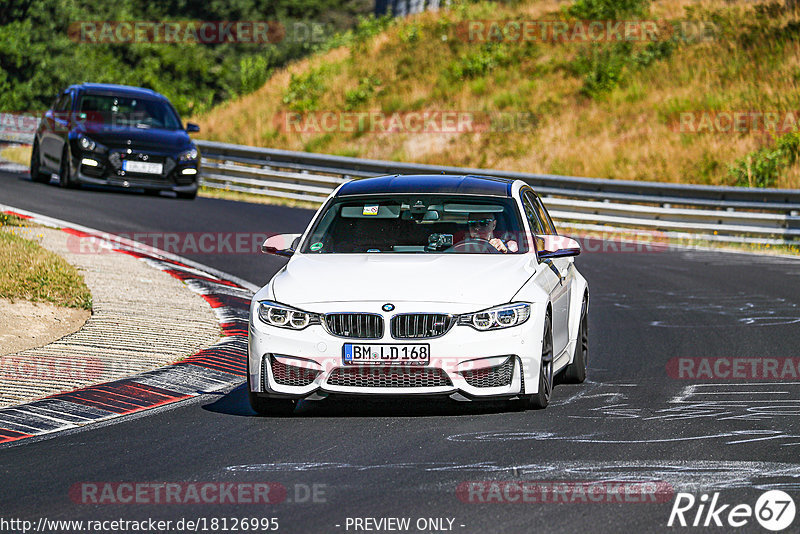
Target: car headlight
(189, 155)
(504, 316)
(282, 316)
(86, 143)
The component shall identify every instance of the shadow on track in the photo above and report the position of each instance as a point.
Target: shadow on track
(25, 177)
(235, 403)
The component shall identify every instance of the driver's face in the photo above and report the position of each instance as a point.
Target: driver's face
(482, 227)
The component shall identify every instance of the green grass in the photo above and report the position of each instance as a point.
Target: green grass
(18, 154)
(30, 272)
(762, 167)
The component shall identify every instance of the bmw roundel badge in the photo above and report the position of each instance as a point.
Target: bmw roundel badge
(387, 307)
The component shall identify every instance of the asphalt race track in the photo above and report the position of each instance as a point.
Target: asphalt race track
(634, 420)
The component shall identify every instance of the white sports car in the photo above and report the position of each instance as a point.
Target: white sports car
(433, 285)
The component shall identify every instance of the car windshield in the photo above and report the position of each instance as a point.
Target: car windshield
(127, 112)
(417, 224)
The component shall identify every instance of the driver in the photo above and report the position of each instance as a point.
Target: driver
(482, 225)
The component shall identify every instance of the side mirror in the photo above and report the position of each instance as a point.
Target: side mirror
(281, 244)
(192, 127)
(556, 246)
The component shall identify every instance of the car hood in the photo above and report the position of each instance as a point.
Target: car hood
(480, 280)
(140, 138)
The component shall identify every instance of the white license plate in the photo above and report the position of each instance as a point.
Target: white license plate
(372, 353)
(144, 167)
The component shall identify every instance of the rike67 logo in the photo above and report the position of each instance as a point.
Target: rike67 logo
(774, 510)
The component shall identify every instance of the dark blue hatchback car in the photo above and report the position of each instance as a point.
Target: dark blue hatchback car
(116, 135)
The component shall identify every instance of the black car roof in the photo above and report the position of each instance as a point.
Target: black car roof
(468, 184)
(110, 88)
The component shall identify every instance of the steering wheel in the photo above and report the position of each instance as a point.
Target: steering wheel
(474, 244)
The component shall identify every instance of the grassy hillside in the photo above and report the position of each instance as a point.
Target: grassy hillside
(610, 109)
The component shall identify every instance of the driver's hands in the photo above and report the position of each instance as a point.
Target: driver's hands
(496, 243)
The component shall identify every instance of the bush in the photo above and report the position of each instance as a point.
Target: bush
(763, 167)
(371, 26)
(305, 90)
(366, 88)
(608, 9)
(481, 61)
(253, 72)
(410, 33)
(602, 67)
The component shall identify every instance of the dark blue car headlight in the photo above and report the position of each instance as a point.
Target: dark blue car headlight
(86, 143)
(188, 156)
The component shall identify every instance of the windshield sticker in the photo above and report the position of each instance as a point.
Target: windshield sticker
(315, 247)
(371, 210)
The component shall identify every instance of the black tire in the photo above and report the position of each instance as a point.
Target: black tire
(546, 380)
(36, 166)
(65, 172)
(267, 406)
(575, 373)
(542, 398)
(187, 196)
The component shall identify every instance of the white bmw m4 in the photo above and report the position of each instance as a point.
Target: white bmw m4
(434, 285)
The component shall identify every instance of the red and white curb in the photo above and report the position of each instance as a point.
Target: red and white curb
(221, 366)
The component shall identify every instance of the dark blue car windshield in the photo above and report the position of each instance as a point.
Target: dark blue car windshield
(127, 112)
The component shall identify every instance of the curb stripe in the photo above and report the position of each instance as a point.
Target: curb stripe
(122, 396)
(9, 435)
(220, 366)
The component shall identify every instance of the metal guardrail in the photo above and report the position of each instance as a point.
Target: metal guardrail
(716, 213)
(711, 212)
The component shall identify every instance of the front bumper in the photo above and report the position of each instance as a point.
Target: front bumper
(181, 178)
(464, 363)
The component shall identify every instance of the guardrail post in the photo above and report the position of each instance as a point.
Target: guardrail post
(793, 221)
